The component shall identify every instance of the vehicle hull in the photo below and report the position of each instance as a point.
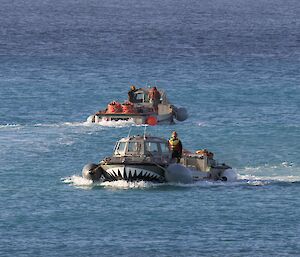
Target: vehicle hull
(133, 172)
(138, 119)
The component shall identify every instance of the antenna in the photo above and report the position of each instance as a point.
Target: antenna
(145, 128)
(129, 131)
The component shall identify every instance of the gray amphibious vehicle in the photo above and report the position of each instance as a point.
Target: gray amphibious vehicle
(141, 111)
(148, 158)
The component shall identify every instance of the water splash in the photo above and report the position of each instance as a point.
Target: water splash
(269, 179)
(64, 124)
(77, 181)
(113, 123)
(116, 124)
(285, 171)
(121, 184)
(242, 180)
(10, 126)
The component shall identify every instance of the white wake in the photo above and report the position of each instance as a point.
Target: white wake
(79, 181)
(113, 123)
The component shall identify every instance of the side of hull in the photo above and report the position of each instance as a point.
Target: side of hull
(174, 173)
(138, 119)
(133, 172)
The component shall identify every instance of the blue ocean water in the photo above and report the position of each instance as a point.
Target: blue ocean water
(233, 64)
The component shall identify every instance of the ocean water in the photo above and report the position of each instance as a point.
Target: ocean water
(235, 65)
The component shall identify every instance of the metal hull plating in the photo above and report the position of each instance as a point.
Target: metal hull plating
(136, 118)
(133, 172)
(148, 158)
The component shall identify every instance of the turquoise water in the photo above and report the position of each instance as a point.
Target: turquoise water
(233, 65)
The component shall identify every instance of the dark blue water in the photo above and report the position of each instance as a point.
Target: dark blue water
(233, 64)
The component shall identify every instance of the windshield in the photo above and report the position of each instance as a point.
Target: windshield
(140, 97)
(164, 148)
(134, 147)
(120, 148)
(151, 147)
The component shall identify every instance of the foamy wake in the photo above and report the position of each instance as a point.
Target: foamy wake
(83, 182)
(77, 181)
(46, 125)
(243, 180)
(284, 166)
(269, 179)
(65, 124)
(7, 126)
(128, 185)
(267, 174)
(113, 123)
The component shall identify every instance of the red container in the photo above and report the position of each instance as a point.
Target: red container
(128, 108)
(114, 107)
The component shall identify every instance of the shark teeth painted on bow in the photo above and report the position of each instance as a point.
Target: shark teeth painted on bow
(129, 173)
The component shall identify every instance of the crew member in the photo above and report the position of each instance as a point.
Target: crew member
(132, 95)
(154, 97)
(175, 146)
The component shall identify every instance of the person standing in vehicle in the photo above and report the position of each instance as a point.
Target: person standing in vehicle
(175, 146)
(132, 95)
(154, 97)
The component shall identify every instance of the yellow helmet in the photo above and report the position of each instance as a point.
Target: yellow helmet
(132, 87)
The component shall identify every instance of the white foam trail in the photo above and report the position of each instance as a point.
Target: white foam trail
(63, 124)
(15, 126)
(285, 165)
(115, 123)
(202, 124)
(64, 141)
(254, 176)
(77, 181)
(270, 179)
(285, 171)
(122, 184)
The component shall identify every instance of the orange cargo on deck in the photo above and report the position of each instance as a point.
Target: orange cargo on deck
(128, 108)
(114, 107)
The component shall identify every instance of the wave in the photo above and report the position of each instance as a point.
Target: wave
(14, 126)
(242, 180)
(285, 171)
(121, 184)
(269, 167)
(64, 124)
(201, 124)
(113, 123)
(269, 179)
(79, 181)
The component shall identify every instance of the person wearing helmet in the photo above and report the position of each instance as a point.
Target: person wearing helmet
(154, 97)
(132, 95)
(175, 146)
